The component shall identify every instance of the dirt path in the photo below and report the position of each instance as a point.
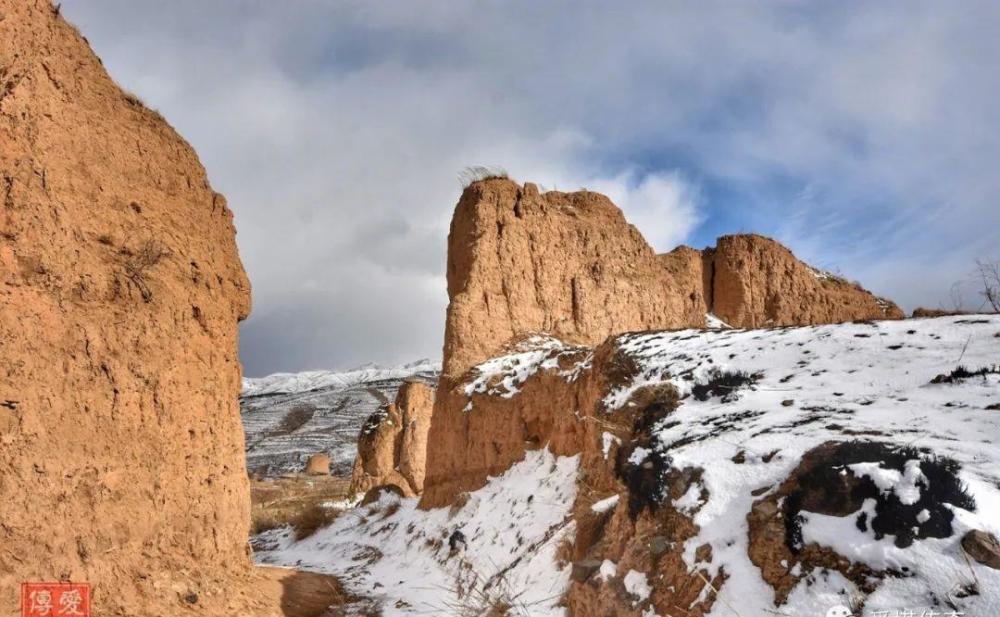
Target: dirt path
(304, 594)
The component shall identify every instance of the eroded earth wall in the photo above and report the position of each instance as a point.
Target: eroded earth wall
(121, 450)
(570, 265)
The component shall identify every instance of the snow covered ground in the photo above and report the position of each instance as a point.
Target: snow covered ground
(867, 381)
(498, 548)
(810, 385)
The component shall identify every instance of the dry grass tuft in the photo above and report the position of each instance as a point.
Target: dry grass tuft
(312, 519)
(663, 393)
(132, 98)
(296, 501)
(478, 173)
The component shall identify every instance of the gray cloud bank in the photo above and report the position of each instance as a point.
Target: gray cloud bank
(862, 135)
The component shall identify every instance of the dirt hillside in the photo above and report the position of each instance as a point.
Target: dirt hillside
(121, 451)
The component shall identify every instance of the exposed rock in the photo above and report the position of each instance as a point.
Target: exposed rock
(691, 271)
(983, 547)
(482, 436)
(757, 282)
(456, 541)
(584, 569)
(374, 494)
(318, 465)
(567, 264)
(121, 452)
(392, 445)
(416, 401)
(820, 484)
(570, 265)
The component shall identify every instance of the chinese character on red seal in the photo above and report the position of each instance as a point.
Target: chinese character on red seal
(55, 599)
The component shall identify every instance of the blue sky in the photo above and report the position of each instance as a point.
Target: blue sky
(862, 135)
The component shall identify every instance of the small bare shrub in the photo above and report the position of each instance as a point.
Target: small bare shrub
(391, 509)
(724, 384)
(961, 373)
(137, 264)
(989, 275)
(984, 281)
(137, 103)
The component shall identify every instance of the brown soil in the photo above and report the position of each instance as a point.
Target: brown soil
(304, 594)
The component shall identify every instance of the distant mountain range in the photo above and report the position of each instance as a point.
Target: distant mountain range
(291, 383)
(289, 416)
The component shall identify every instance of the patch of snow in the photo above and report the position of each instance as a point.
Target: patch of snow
(604, 505)
(342, 504)
(637, 585)
(691, 500)
(712, 322)
(502, 376)
(607, 571)
(821, 275)
(820, 591)
(935, 566)
(607, 440)
(399, 555)
(905, 485)
(639, 455)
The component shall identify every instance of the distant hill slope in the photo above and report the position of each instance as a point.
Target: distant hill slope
(289, 416)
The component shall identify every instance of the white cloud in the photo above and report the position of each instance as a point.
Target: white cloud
(337, 130)
(663, 206)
